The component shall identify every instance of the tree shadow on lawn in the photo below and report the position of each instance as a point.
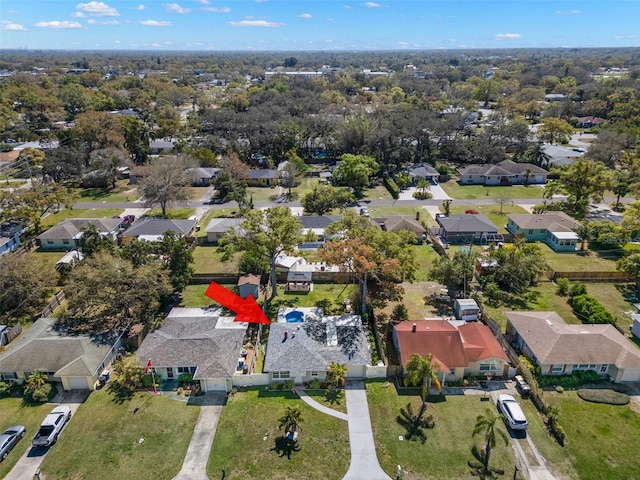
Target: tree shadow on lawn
(120, 394)
(285, 446)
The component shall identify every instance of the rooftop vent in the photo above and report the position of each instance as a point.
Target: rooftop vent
(413, 328)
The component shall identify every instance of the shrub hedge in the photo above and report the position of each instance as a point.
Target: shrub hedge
(392, 186)
(588, 307)
(603, 395)
(569, 382)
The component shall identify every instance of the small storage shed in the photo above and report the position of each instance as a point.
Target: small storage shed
(466, 309)
(249, 285)
(299, 282)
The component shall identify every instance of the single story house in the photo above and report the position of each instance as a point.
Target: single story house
(396, 223)
(138, 173)
(219, 226)
(467, 228)
(459, 348)
(199, 341)
(554, 97)
(556, 229)
(66, 234)
(249, 285)
(506, 172)
(423, 170)
(304, 341)
(590, 121)
(156, 147)
(560, 155)
(559, 349)
(316, 224)
(262, 177)
(9, 243)
(202, 177)
(75, 360)
(153, 229)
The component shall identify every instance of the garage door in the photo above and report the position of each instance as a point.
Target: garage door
(355, 371)
(216, 385)
(78, 383)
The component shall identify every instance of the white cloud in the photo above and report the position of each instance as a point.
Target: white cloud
(140, 7)
(372, 5)
(348, 7)
(217, 9)
(156, 45)
(78, 15)
(508, 36)
(12, 12)
(116, 41)
(58, 24)
(568, 12)
(91, 21)
(256, 23)
(203, 2)
(261, 1)
(175, 8)
(305, 15)
(626, 37)
(156, 23)
(329, 19)
(10, 26)
(97, 9)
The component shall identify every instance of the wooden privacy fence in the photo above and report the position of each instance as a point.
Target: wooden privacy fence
(615, 277)
(54, 303)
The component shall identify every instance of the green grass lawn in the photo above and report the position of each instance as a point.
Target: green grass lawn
(102, 441)
(55, 218)
(446, 451)
(471, 192)
(264, 194)
(247, 434)
(377, 193)
(492, 212)
(330, 296)
(14, 412)
(611, 295)
(571, 262)
(172, 213)
(338, 402)
(193, 296)
(207, 260)
(123, 192)
(602, 440)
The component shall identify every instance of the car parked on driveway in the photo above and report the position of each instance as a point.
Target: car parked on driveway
(51, 427)
(522, 386)
(9, 438)
(513, 414)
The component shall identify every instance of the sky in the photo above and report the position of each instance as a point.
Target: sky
(308, 25)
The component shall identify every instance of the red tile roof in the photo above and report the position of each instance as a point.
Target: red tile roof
(451, 347)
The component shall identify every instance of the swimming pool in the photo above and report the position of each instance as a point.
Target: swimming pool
(294, 317)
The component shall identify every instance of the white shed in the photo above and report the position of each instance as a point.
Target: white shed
(466, 309)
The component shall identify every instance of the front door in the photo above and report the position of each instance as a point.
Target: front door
(170, 373)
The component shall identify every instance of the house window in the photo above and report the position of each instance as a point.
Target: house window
(557, 368)
(314, 373)
(604, 368)
(283, 375)
(49, 242)
(66, 242)
(453, 371)
(530, 231)
(488, 366)
(10, 375)
(187, 369)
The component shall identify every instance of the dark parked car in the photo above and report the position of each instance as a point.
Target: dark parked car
(522, 386)
(9, 438)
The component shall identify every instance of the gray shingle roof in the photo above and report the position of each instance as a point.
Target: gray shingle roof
(256, 173)
(318, 221)
(45, 347)
(221, 225)
(195, 338)
(71, 227)
(159, 226)
(504, 168)
(467, 223)
(315, 343)
(552, 221)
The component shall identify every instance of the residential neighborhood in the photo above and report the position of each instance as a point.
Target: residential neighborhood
(402, 268)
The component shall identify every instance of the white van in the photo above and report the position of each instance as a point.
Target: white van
(512, 412)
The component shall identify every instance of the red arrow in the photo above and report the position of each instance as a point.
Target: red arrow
(247, 310)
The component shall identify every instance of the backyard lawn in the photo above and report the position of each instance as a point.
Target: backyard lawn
(144, 437)
(246, 441)
(206, 259)
(193, 295)
(13, 411)
(602, 440)
(447, 449)
(330, 296)
(572, 262)
(471, 192)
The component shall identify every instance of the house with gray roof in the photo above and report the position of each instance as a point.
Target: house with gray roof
(423, 170)
(202, 177)
(467, 228)
(153, 229)
(199, 341)
(561, 349)
(560, 155)
(556, 229)
(504, 173)
(262, 177)
(75, 360)
(66, 235)
(396, 223)
(219, 226)
(304, 341)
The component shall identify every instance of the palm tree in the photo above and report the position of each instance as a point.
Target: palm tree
(36, 380)
(423, 188)
(486, 424)
(422, 371)
(414, 423)
(290, 420)
(337, 374)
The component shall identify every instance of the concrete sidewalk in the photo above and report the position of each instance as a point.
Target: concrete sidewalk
(318, 406)
(364, 461)
(195, 462)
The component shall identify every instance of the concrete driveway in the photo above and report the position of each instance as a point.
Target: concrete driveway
(194, 466)
(29, 463)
